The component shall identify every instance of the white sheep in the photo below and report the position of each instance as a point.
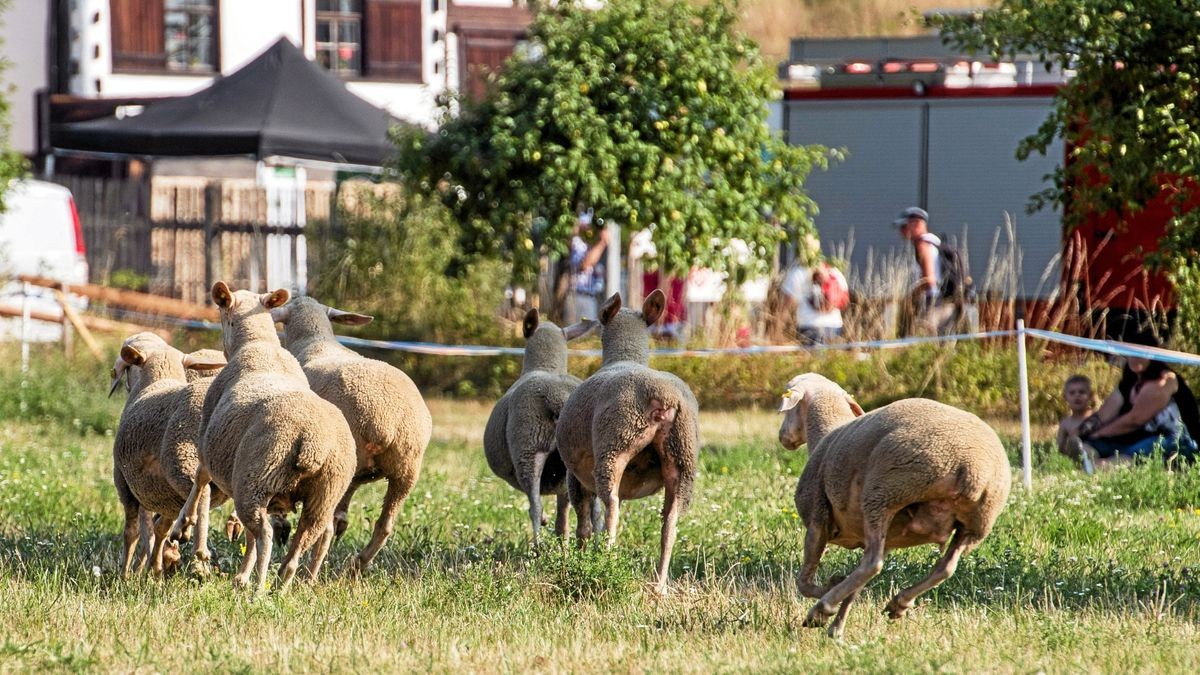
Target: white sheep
(387, 415)
(269, 441)
(910, 473)
(518, 440)
(629, 431)
(153, 475)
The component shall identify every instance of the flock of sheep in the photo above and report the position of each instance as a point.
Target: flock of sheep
(279, 428)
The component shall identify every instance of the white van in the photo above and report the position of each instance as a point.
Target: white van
(40, 234)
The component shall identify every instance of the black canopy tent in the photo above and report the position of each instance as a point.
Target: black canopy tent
(279, 104)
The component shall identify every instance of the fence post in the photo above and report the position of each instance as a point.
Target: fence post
(1023, 375)
(212, 254)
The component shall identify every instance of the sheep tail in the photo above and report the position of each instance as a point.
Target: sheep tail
(676, 431)
(309, 452)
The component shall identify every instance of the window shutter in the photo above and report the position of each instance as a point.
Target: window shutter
(137, 35)
(393, 39)
(483, 56)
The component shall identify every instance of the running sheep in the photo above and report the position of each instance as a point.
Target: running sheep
(518, 440)
(154, 456)
(387, 416)
(910, 473)
(269, 441)
(629, 431)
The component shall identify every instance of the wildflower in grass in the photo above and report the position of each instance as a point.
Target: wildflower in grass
(96, 571)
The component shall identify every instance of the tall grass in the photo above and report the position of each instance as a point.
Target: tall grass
(1084, 574)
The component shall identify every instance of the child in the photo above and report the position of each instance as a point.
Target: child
(1077, 391)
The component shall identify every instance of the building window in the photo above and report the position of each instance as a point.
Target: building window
(339, 36)
(190, 35)
(164, 35)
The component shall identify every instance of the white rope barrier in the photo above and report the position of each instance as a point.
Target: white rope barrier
(1021, 334)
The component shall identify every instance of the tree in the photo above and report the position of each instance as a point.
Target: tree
(652, 113)
(12, 164)
(1130, 115)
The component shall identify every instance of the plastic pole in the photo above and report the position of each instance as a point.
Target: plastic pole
(1023, 374)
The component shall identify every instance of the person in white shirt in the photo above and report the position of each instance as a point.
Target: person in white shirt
(818, 318)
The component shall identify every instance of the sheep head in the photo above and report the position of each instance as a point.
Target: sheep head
(140, 344)
(305, 318)
(800, 393)
(623, 336)
(245, 315)
(546, 343)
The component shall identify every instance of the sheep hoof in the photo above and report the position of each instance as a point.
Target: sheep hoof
(240, 582)
(895, 610)
(170, 558)
(817, 616)
(233, 528)
(834, 631)
(357, 568)
(200, 568)
(340, 522)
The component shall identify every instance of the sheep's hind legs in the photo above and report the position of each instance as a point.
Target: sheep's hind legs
(962, 544)
(586, 509)
(531, 481)
(188, 514)
(670, 520)
(845, 592)
(562, 502)
(393, 499)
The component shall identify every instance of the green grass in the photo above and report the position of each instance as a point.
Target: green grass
(1085, 574)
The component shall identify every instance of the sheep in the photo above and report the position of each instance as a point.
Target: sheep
(629, 431)
(269, 441)
(151, 474)
(910, 473)
(518, 440)
(387, 416)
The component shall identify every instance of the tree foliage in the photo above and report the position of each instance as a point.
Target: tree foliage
(12, 164)
(652, 113)
(1130, 114)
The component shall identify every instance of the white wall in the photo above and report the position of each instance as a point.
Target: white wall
(247, 28)
(24, 33)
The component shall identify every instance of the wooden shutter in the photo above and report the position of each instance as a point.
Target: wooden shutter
(483, 55)
(137, 35)
(393, 39)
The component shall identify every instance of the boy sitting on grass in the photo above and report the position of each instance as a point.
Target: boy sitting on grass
(1077, 392)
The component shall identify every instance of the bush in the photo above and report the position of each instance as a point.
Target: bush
(393, 258)
(58, 389)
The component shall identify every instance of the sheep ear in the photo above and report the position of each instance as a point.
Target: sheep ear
(854, 406)
(221, 295)
(791, 398)
(118, 374)
(578, 330)
(131, 355)
(610, 308)
(192, 363)
(531, 322)
(276, 298)
(348, 318)
(652, 308)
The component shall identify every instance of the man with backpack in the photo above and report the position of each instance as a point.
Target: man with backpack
(940, 293)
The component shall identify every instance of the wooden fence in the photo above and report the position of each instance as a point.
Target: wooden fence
(174, 236)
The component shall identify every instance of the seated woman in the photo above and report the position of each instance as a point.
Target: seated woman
(1151, 411)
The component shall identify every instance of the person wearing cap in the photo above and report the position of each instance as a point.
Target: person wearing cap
(935, 314)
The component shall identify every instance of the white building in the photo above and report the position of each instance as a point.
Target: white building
(396, 54)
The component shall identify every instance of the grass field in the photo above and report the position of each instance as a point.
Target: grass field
(1083, 575)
